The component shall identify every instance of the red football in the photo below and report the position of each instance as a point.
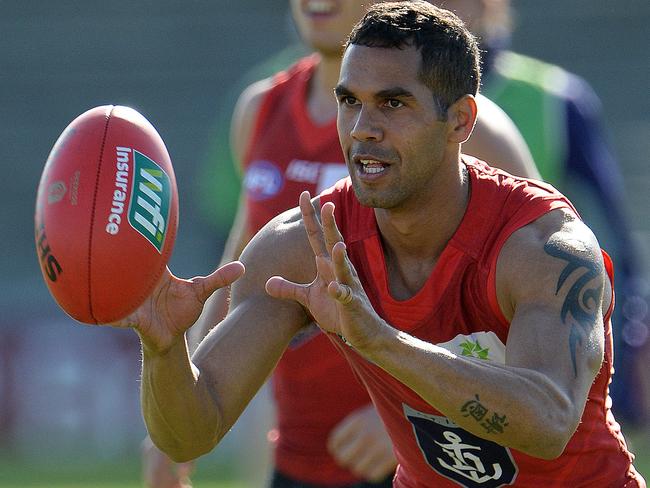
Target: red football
(106, 214)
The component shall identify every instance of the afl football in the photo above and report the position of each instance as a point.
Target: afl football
(106, 214)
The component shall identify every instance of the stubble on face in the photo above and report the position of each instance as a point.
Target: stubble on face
(409, 140)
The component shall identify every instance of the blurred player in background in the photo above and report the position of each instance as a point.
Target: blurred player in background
(560, 117)
(284, 141)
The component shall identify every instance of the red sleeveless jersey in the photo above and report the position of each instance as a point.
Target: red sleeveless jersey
(314, 387)
(457, 309)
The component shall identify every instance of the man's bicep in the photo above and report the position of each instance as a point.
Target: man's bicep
(556, 289)
(240, 353)
(280, 248)
(255, 321)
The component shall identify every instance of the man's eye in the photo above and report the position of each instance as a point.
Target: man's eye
(394, 103)
(347, 100)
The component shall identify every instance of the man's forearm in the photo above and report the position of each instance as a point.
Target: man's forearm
(214, 311)
(181, 416)
(216, 307)
(518, 408)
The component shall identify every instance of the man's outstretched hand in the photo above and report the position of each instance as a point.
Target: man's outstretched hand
(336, 299)
(175, 304)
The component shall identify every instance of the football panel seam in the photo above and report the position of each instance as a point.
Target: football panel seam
(92, 213)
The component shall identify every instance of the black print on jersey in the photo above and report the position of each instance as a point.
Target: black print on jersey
(459, 455)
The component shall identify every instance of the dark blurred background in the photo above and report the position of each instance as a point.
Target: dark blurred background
(68, 390)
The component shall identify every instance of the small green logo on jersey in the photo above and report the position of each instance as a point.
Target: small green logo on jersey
(474, 350)
(150, 200)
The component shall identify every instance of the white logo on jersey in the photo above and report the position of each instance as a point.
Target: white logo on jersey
(323, 175)
(465, 462)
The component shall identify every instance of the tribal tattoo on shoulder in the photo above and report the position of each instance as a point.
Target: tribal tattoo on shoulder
(581, 303)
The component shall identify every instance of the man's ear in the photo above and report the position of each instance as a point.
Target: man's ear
(461, 118)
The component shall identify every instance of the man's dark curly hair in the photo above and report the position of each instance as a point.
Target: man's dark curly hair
(450, 59)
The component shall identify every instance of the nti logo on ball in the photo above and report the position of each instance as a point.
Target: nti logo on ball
(150, 195)
(150, 199)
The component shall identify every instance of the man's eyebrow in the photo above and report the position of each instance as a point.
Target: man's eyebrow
(341, 91)
(396, 92)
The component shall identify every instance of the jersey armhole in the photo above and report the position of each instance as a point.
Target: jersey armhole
(609, 268)
(492, 282)
(496, 251)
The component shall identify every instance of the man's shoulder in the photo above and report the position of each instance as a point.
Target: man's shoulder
(548, 249)
(502, 203)
(280, 248)
(488, 175)
(558, 234)
(283, 226)
(562, 223)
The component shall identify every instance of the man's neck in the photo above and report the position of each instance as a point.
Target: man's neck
(423, 229)
(413, 239)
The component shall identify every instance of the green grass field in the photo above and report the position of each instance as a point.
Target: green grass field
(82, 474)
(97, 477)
(71, 474)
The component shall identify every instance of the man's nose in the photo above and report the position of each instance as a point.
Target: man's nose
(366, 126)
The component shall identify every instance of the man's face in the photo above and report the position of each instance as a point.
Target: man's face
(325, 24)
(389, 126)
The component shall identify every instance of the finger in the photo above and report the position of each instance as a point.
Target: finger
(131, 320)
(346, 296)
(340, 292)
(373, 465)
(347, 452)
(221, 277)
(343, 268)
(312, 225)
(330, 229)
(366, 457)
(278, 287)
(344, 433)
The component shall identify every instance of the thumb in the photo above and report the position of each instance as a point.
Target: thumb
(278, 287)
(221, 277)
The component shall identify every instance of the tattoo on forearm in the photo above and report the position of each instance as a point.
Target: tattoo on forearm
(493, 424)
(580, 306)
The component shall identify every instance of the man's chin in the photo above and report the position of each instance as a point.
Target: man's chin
(372, 201)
